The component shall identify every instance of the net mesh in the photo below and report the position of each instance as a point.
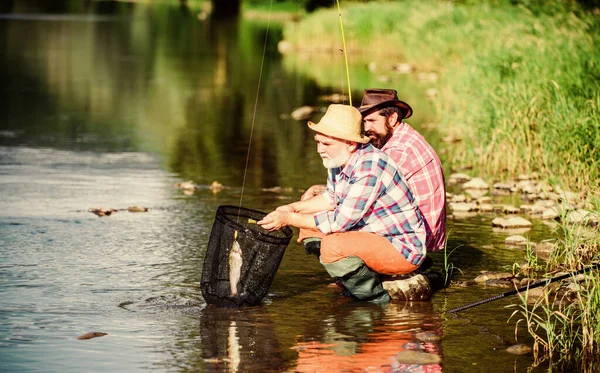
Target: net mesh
(261, 254)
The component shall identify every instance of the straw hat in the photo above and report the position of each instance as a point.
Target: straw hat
(376, 99)
(342, 122)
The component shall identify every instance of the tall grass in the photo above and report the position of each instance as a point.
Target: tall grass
(520, 86)
(566, 334)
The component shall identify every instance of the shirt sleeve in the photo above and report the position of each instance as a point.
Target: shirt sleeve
(363, 190)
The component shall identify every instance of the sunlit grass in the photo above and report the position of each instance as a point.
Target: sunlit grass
(522, 89)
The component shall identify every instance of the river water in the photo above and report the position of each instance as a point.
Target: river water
(109, 104)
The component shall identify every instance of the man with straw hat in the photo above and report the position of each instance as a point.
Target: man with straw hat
(383, 115)
(367, 218)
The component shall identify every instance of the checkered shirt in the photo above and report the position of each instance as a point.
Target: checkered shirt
(423, 172)
(369, 194)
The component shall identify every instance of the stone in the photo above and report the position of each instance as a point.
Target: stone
(303, 113)
(137, 209)
(509, 209)
(428, 336)
(476, 183)
(543, 250)
(504, 186)
(476, 193)
(516, 240)
(463, 206)
(458, 178)
(486, 207)
(582, 216)
(486, 199)
(493, 276)
(519, 349)
(458, 198)
(513, 222)
(550, 213)
(416, 287)
(403, 68)
(418, 358)
(504, 284)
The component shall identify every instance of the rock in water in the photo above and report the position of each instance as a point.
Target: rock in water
(235, 265)
(519, 349)
(416, 287)
(91, 335)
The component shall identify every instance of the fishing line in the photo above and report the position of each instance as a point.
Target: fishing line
(255, 107)
(345, 52)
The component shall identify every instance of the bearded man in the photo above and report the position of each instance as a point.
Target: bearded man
(383, 115)
(367, 219)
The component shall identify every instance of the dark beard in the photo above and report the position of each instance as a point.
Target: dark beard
(378, 140)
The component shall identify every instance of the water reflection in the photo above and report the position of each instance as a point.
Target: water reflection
(373, 338)
(239, 340)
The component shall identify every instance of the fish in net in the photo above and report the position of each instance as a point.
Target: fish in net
(241, 259)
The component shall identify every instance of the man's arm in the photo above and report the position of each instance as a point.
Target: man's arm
(309, 206)
(279, 219)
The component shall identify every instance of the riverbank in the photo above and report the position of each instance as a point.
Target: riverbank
(516, 89)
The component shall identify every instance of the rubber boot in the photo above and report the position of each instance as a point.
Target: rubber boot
(359, 280)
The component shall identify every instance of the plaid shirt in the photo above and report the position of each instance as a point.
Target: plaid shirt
(423, 172)
(370, 195)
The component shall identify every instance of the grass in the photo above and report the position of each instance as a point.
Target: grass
(521, 87)
(566, 327)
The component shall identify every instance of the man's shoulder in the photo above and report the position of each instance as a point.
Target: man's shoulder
(409, 141)
(371, 157)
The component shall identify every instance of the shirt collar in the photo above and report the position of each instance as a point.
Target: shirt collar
(349, 166)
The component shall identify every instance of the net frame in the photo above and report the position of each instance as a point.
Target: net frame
(262, 252)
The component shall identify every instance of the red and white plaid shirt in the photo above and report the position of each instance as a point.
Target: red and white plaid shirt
(370, 195)
(423, 172)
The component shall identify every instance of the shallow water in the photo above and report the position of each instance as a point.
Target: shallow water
(110, 108)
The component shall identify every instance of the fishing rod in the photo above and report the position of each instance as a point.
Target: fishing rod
(345, 53)
(523, 288)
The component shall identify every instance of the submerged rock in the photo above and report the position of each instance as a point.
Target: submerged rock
(91, 335)
(100, 211)
(482, 278)
(516, 240)
(418, 358)
(137, 209)
(519, 349)
(186, 185)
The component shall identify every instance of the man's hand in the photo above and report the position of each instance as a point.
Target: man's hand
(275, 220)
(313, 191)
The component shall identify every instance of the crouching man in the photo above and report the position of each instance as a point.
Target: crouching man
(367, 219)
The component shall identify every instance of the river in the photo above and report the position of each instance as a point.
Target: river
(110, 104)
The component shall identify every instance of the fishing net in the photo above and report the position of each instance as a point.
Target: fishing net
(241, 276)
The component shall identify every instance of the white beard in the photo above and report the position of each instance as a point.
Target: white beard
(336, 162)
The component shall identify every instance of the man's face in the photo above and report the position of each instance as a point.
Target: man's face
(378, 128)
(334, 152)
